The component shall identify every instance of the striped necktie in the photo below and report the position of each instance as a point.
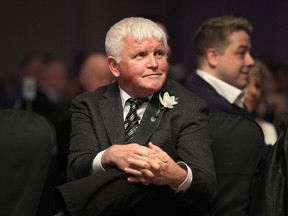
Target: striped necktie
(132, 119)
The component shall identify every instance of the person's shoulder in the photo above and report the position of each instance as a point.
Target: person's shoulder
(198, 85)
(185, 95)
(192, 80)
(177, 87)
(82, 96)
(97, 94)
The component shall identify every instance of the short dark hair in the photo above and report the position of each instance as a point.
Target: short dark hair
(214, 33)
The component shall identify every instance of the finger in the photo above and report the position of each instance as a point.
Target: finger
(134, 172)
(146, 152)
(139, 162)
(154, 163)
(151, 152)
(151, 162)
(147, 173)
(139, 173)
(132, 179)
(161, 154)
(152, 146)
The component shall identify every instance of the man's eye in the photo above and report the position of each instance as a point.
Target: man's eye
(140, 55)
(241, 54)
(159, 54)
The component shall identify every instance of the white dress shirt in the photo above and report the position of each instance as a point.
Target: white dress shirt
(269, 130)
(232, 94)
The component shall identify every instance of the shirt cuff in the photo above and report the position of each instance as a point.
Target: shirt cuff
(96, 165)
(188, 180)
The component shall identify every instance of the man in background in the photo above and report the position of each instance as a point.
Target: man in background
(222, 50)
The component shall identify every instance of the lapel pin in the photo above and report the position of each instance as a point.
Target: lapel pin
(153, 119)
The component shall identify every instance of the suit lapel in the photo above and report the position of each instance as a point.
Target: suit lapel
(149, 123)
(112, 114)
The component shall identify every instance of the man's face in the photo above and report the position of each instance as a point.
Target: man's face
(234, 64)
(143, 67)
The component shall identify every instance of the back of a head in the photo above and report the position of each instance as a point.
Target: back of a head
(136, 27)
(31, 65)
(95, 72)
(215, 32)
(54, 77)
(93, 62)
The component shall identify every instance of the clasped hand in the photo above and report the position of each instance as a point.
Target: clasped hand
(145, 164)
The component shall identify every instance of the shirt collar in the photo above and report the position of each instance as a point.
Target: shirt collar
(124, 96)
(232, 94)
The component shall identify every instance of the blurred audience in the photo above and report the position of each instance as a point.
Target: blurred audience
(94, 72)
(53, 79)
(260, 88)
(41, 87)
(176, 71)
(277, 104)
(51, 101)
(280, 74)
(28, 69)
(51, 98)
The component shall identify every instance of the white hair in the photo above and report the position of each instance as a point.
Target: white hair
(136, 27)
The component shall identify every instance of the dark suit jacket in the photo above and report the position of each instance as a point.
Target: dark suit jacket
(97, 123)
(217, 104)
(237, 149)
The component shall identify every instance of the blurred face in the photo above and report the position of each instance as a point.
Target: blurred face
(143, 67)
(234, 64)
(253, 93)
(96, 74)
(56, 77)
(93, 81)
(33, 67)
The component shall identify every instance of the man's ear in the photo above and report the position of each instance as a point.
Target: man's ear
(114, 67)
(212, 55)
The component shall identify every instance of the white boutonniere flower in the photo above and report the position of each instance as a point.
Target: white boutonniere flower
(167, 102)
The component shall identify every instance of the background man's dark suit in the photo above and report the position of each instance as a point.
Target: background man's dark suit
(237, 149)
(180, 131)
(217, 104)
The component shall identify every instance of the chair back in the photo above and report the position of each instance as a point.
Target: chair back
(26, 141)
(236, 149)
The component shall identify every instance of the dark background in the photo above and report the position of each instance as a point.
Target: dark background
(71, 29)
